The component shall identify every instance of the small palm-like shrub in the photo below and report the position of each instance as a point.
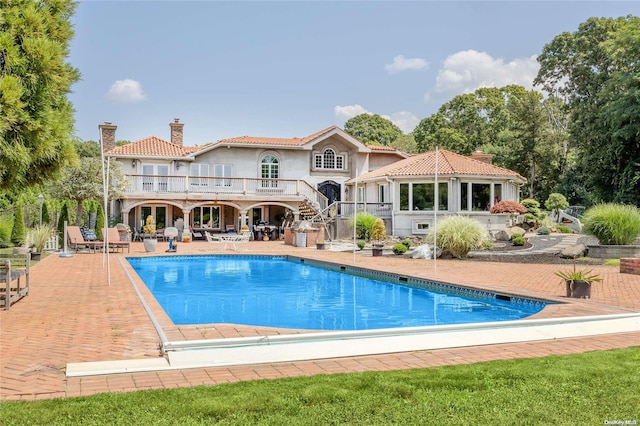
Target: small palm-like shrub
(543, 230)
(38, 236)
(458, 235)
(613, 224)
(399, 249)
(406, 242)
(364, 224)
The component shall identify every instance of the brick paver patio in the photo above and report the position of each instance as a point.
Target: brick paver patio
(73, 315)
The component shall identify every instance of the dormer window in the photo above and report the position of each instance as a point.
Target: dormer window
(329, 160)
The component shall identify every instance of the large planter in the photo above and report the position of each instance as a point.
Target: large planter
(613, 252)
(35, 255)
(150, 244)
(579, 289)
(376, 250)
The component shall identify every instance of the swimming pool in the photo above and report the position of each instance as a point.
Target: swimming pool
(277, 291)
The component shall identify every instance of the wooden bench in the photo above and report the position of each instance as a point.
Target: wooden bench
(14, 272)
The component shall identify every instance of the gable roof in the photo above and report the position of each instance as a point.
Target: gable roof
(155, 147)
(449, 163)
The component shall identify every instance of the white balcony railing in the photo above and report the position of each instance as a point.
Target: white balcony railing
(164, 186)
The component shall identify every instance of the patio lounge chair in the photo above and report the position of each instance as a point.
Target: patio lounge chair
(114, 240)
(225, 239)
(76, 239)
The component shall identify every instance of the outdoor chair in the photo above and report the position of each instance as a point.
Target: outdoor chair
(76, 240)
(113, 237)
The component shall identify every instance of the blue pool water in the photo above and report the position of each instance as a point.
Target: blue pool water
(276, 292)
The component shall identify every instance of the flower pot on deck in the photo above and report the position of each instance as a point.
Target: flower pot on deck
(579, 289)
(150, 244)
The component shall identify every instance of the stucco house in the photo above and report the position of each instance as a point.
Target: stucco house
(244, 180)
(465, 185)
(251, 180)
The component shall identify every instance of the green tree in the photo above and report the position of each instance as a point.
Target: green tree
(45, 214)
(99, 222)
(596, 70)
(64, 217)
(18, 233)
(372, 129)
(87, 148)
(84, 183)
(406, 143)
(36, 118)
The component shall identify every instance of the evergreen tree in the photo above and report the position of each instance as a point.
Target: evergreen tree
(64, 216)
(18, 233)
(99, 222)
(45, 214)
(36, 118)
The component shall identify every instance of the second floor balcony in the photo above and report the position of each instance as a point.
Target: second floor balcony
(179, 187)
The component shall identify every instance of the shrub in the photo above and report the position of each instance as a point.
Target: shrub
(18, 233)
(556, 202)
(399, 249)
(99, 223)
(518, 240)
(613, 224)
(6, 224)
(38, 236)
(516, 235)
(364, 224)
(533, 214)
(543, 230)
(458, 235)
(564, 229)
(379, 231)
(361, 244)
(406, 242)
(508, 207)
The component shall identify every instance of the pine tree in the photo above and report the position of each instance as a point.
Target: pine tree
(99, 222)
(36, 122)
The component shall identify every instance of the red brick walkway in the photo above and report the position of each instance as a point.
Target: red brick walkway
(73, 315)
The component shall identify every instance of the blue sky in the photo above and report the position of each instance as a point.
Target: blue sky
(285, 69)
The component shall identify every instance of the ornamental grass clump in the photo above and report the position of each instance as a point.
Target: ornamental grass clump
(613, 224)
(458, 235)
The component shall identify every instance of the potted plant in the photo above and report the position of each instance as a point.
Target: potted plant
(378, 233)
(38, 238)
(578, 282)
(149, 237)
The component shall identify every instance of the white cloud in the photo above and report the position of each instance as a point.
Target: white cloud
(400, 63)
(405, 120)
(468, 70)
(126, 91)
(349, 111)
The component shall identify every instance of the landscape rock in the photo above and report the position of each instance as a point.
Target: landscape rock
(422, 252)
(505, 234)
(571, 252)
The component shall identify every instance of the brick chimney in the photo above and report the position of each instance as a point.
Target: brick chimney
(108, 135)
(481, 156)
(176, 131)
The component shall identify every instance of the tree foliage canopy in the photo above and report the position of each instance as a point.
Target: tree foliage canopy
(372, 129)
(36, 118)
(596, 70)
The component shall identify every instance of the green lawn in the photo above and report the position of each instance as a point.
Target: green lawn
(585, 389)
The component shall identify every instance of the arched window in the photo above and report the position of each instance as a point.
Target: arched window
(269, 170)
(328, 159)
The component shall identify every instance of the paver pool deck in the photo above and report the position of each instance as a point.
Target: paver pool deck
(73, 315)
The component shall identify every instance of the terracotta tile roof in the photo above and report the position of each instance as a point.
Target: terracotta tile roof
(381, 148)
(449, 163)
(152, 147)
(259, 140)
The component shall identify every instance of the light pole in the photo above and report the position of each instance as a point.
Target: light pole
(41, 202)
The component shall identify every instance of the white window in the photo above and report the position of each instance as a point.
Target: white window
(156, 177)
(269, 169)
(222, 170)
(328, 159)
(201, 170)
